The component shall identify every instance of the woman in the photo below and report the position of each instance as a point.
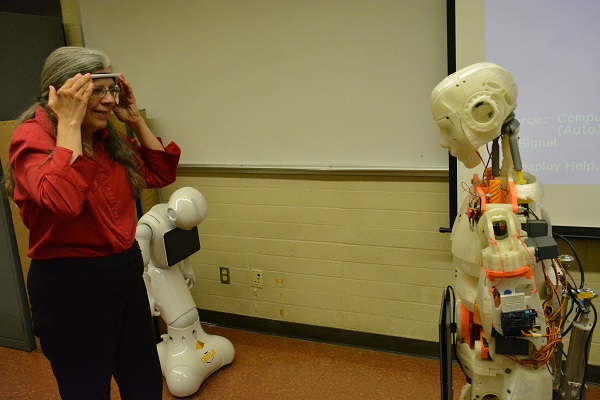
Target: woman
(74, 179)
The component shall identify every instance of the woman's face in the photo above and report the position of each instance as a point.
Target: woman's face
(99, 109)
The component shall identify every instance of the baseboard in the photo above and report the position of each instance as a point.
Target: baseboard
(593, 374)
(373, 341)
(365, 340)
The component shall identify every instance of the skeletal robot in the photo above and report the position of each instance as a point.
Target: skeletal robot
(168, 236)
(515, 297)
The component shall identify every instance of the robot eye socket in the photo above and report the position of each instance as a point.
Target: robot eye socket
(171, 214)
(483, 112)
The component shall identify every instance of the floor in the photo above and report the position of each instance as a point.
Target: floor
(273, 368)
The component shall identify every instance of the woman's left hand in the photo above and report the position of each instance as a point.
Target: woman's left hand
(127, 110)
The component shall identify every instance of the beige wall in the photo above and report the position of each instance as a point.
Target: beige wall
(352, 253)
(358, 253)
(71, 22)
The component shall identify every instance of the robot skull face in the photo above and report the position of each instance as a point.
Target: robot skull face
(470, 107)
(453, 138)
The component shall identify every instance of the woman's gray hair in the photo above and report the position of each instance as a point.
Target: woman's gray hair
(65, 62)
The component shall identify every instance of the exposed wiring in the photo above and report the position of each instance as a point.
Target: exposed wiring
(566, 317)
(562, 308)
(582, 283)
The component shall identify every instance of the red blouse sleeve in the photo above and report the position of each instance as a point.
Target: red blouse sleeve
(42, 172)
(159, 168)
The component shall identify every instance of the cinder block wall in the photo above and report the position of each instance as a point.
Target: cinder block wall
(360, 254)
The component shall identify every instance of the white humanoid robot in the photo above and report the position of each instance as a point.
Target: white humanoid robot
(168, 235)
(510, 284)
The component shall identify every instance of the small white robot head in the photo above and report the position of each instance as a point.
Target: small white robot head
(187, 208)
(470, 107)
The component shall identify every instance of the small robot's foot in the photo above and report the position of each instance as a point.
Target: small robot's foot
(224, 348)
(183, 380)
(189, 355)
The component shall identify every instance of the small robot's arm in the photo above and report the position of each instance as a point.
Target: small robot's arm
(143, 235)
(188, 273)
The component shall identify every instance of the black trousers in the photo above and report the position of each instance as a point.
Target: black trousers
(93, 320)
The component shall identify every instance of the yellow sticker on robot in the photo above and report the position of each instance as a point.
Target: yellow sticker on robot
(208, 356)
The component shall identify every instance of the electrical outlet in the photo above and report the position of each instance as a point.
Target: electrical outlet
(224, 274)
(257, 278)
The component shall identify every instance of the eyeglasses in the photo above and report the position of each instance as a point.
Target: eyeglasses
(100, 91)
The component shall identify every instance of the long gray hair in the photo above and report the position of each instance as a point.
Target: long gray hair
(61, 65)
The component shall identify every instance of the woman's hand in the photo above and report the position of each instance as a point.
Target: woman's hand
(127, 110)
(69, 102)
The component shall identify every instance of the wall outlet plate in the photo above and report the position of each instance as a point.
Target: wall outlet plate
(224, 275)
(257, 278)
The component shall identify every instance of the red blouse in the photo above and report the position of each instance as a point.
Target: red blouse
(84, 209)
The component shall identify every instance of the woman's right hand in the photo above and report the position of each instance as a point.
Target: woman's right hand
(69, 102)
